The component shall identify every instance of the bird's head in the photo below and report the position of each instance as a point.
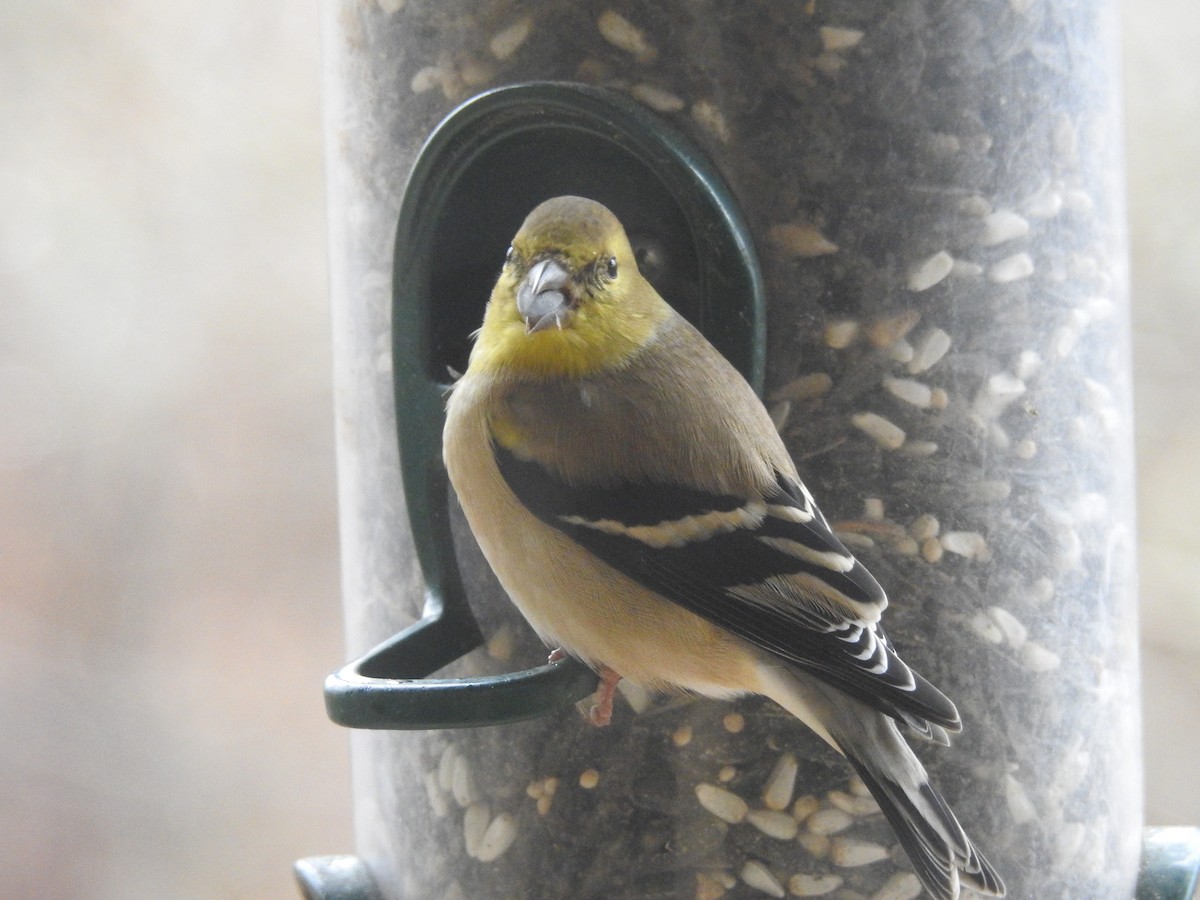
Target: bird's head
(570, 300)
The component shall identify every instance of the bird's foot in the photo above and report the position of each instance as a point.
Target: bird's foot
(556, 654)
(601, 714)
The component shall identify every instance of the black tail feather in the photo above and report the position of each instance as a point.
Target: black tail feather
(941, 853)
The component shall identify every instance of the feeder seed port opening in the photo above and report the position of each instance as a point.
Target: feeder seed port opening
(479, 173)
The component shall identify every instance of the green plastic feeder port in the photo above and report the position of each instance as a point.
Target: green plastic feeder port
(480, 172)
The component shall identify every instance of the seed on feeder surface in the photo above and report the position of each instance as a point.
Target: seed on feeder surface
(781, 783)
(854, 540)
(963, 268)
(498, 838)
(500, 645)
(682, 736)
(872, 508)
(426, 79)
(1037, 658)
(507, 41)
(886, 331)
(851, 852)
(805, 885)
(901, 886)
(857, 786)
(817, 845)
(853, 804)
(1027, 364)
(774, 824)
(475, 825)
(453, 86)
(462, 785)
(983, 626)
(476, 72)
(906, 546)
(805, 387)
(990, 491)
(1063, 341)
(624, 35)
(723, 804)
(1078, 201)
(1046, 203)
(592, 71)
(1099, 308)
(759, 877)
(829, 63)
(924, 526)
(780, 412)
(390, 6)
(1025, 449)
(901, 351)
(919, 448)
(886, 434)
(727, 774)
(708, 887)
(804, 807)
(998, 392)
(829, 821)
(657, 98)
(1020, 807)
(1011, 268)
(914, 392)
(588, 779)
(928, 351)
(975, 205)
(734, 722)
(1005, 385)
(835, 38)
(542, 792)
(841, 334)
(928, 272)
(1002, 225)
(931, 550)
(708, 115)
(800, 239)
(1014, 632)
(970, 544)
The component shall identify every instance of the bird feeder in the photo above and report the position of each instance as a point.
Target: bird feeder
(903, 223)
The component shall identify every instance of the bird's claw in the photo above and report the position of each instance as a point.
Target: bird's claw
(600, 713)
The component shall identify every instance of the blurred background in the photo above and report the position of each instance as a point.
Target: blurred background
(169, 600)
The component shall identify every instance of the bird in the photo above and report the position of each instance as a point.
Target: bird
(637, 504)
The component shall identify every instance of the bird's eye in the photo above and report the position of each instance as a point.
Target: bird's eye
(612, 267)
(510, 255)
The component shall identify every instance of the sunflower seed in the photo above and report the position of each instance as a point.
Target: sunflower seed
(759, 877)
(723, 804)
(928, 272)
(781, 783)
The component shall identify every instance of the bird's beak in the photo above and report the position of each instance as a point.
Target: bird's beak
(543, 299)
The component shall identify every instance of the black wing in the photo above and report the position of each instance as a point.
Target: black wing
(769, 569)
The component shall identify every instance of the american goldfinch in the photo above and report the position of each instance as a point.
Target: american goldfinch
(636, 502)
